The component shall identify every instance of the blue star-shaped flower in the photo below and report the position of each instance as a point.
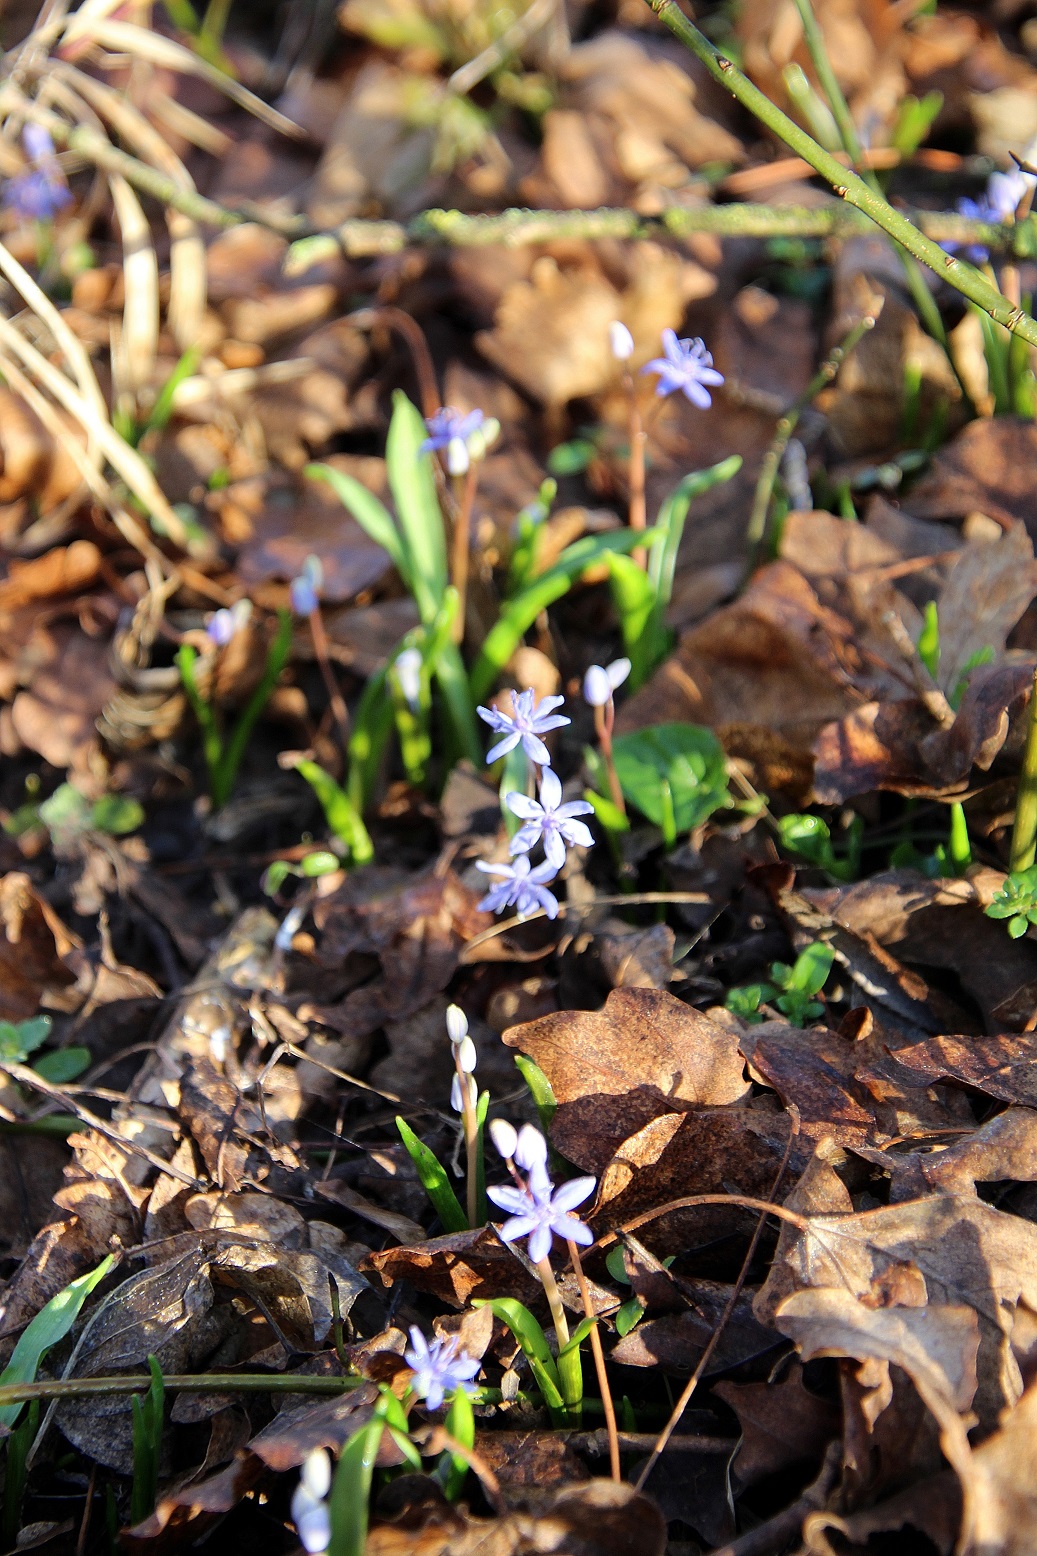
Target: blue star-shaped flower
(686, 366)
(527, 723)
(523, 888)
(549, 821)
(440, 1367)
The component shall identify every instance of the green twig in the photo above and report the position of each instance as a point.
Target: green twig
(1024, 832)
(359, 238)
(757, 530)
(847, 185)
(923, 299)
(184, 1383)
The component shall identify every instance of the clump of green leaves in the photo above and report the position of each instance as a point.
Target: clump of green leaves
(224, 751)
(811, 837)
(1016, 901)
(675, 774)
(19, 1040)
(642, 595)
(68, 816)
(793, 989)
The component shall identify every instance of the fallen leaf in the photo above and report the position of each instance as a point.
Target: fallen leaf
(33, 949)
(782, 1422)
(639, 1056)
(457, 1268)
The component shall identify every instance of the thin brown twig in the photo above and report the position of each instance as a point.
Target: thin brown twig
(599, 1364)
(321, 650)
(414, 335)
(714, 1339)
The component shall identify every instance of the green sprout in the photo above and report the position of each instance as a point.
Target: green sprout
(792, 990)
(1016, 901)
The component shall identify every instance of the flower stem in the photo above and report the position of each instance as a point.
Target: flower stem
(636, 468)
(1024, 832)
(554, 1301)
(604, 719)
(599, 1364)
(470, 1122)
(335, 698)
(462, 547)
(847, 185)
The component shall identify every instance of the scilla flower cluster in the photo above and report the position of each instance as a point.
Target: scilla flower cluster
(545, 821)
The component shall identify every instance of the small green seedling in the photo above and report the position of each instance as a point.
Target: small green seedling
(792, 990)
(631, 1313)
(675, 774)
(224, 754)
(148, 1414)
(20, 1039)
(811, 837)
(1016, 901)
(310, 868)
(69, 816)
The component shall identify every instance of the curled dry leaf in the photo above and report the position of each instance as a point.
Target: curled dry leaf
(707, 1151)
(458, 1268)
(416, 927)
(34, 949)
(973, 1259)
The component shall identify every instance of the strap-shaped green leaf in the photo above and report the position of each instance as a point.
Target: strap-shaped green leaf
(418, 512)
(520, 613)
(433, 1180)
(372, 516)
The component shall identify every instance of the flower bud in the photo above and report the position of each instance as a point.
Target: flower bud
(504, 1137)
(597, 688)
(456, 1023)
(316, 1473)
(465, 1055)
(221, 628)
(617, 672)
(303, 596)
(408, 673)
(457, 1095)
(621, 342)
(457, 460)
(531, 1149)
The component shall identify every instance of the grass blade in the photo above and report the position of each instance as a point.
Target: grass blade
(420, 519)
(50, 1325)
(433, 1180)
(372, 516)
(520, 613)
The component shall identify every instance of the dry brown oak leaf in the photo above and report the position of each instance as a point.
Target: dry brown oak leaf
(612, 1071)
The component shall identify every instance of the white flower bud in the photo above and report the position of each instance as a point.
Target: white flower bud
(457, 460)
(316, 1473)
(408, 673)
(617, 672)
(465, 1054)
(597, 688)
(456, 1023)
(621, 342)
(530, 1149)
(457, 1095)
(504, 1137)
